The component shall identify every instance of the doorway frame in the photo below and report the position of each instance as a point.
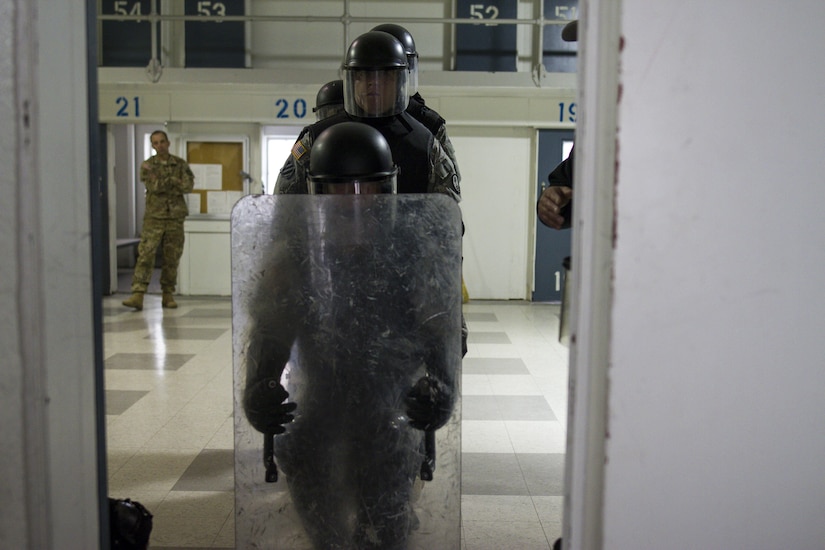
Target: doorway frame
(592, 268)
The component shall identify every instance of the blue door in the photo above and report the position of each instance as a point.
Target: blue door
(552, 245)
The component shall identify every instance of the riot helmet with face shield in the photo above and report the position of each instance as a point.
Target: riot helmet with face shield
(403, 35)
(376, 79)
(329, 100)
(351, 158)
(351, 165)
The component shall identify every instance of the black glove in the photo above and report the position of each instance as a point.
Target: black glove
(264, 403)
(429, 404)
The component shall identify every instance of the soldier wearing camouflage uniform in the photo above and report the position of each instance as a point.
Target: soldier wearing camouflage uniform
(167, 178)
(379, 58)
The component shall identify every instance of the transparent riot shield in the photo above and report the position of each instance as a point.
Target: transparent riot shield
(352, 305)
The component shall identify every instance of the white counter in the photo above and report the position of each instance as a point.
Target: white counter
(206, 264)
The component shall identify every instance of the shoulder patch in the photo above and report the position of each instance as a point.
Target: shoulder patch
(299, 149)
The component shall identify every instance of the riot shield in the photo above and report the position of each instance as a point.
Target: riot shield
(350, 304)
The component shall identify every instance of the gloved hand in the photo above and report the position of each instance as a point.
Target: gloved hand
(265, 407)
(429, 404)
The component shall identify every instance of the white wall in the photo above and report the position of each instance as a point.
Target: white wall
(717, 356)
(67, 333)
(496, 199)
(15, 336)
(49, 431)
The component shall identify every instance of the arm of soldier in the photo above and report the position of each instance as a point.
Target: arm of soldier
(292, 178)
(442, 177)
(271, 312)
(149, 176)
(555, 205)
(447, 145)
(431, 401)
(187, 179)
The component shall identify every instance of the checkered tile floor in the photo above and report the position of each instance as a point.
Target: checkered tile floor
(169, 421)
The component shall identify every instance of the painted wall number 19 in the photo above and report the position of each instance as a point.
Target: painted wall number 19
(127, 109)
(567, 112)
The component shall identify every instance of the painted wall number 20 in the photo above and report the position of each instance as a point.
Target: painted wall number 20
(299, 108)
(127, 108)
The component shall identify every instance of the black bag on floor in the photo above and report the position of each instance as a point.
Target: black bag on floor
(130, 525)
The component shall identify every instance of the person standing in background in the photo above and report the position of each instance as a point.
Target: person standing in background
(167, 178)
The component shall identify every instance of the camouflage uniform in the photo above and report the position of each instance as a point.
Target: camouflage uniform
(166, 182)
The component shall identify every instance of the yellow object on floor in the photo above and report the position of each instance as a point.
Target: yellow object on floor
(465, 296)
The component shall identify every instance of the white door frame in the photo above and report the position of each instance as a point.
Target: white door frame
(592, 261)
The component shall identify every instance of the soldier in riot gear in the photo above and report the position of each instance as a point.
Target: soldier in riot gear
(351, 358)
(417, 107)
(329, 100)
(352, 159)
(376, 80)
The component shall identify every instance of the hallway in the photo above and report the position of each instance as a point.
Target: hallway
(169, 420)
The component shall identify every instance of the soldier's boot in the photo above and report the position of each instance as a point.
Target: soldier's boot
(135, 301)
(168, 301)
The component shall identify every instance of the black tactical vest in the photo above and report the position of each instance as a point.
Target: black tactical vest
(423, 114)
(409, 141)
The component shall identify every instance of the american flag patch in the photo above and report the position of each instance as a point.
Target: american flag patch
(298, 150)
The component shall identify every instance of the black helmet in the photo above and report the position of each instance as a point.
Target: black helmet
(351, 158)
(377, 63)
(329, 100)
(403, 35)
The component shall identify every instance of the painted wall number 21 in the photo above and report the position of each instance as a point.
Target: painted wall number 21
(127, 108)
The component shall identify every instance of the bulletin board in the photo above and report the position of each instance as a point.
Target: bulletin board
(217, 166)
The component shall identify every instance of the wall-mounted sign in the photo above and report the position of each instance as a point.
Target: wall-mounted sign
(215, 43)
(486, 46)
(559, 56)
(125, 43)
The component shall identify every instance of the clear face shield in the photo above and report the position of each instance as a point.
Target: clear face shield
(376, 93)
(328, 110)
(345, 225)
(412, 61)
(376, 185)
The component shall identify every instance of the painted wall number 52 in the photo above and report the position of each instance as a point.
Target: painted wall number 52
(478, 11)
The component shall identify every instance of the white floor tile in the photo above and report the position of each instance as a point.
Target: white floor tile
(485, 436)
(500, 535)
(476, 384)
(499, 508)
(536, 437)
(513, 384)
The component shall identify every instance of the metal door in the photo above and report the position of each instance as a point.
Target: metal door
(552, 245)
